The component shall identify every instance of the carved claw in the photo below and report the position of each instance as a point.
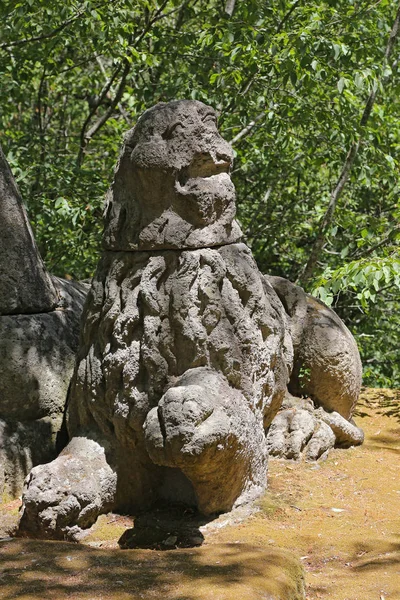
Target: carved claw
(205, 428)
(68, 494)
(296, 430)
(300, 428)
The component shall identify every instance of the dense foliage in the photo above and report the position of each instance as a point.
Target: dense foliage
(290, 80)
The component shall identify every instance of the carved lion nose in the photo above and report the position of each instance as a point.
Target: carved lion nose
(223, 156)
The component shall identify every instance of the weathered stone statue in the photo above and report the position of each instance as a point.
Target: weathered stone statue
(186, 349)
(326, 371)
(184, 355)
(39, 329)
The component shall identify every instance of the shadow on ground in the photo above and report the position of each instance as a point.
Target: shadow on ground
(165, 529)
(33, 570)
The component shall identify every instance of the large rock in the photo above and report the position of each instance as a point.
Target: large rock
(184, 355)
(39, 332)
(79, 483)
(26, 287)
(37, 357)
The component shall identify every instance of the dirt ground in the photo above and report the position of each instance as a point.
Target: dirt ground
(342, 516)
(340, 519)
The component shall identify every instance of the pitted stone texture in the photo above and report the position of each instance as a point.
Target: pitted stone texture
(153, 316)
(37, 357)
(172, 187)
(330, 362)
(69, 493)
(297, 430)
(22, 446)
(301, 430)
(26, 287)
(39, 330)
(346, 431)
(207, 429)
(190, 318)
(327, 365)
(294, 300)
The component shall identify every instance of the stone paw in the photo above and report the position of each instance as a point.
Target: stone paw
(67, 495)
(300, 429)
(296, 430)
(185, 424)
(346, 431)
(206, 429)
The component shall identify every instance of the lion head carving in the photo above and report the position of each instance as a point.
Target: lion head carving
(172, 187)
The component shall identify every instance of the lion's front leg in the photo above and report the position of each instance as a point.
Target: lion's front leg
(68, 494)
(205, 428)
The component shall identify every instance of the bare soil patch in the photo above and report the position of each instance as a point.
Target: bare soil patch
(339, 517)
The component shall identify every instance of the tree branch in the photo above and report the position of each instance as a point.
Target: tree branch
(84, 140)
(110, 110)
(230, 7)
(120, 107)
(246, 130)
(327, 219)
(85, 135)
(44, 36)
(287, 16)
(384, 241)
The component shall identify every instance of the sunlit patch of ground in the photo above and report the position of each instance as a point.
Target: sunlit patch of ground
(341, 518)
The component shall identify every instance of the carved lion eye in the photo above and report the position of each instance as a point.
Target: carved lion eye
(171, 130)
(210, 118)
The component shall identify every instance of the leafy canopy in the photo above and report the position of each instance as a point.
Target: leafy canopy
(290, 80)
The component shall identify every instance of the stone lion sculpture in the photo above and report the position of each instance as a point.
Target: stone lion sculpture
(186, 348)
(185, 353)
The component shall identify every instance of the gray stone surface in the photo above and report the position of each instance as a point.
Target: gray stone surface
(184, 352)
(327, 365)
(327, 368)
(329, 359)
(297, 429)
(294, 301)
(346, 431)
(26, 287)
(22, 446)
(207, 429)
(37, 356)
(68, 493)
(39, 331)
(189, 199)
(154, 317)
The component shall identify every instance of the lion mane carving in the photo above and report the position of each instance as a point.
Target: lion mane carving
(185, 350)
